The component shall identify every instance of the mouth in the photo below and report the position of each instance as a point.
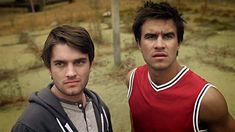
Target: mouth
(159, 55)
(71, 82)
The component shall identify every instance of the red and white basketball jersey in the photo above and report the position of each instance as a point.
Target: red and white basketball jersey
(170, 107)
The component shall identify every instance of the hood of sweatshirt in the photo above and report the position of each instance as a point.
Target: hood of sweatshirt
(49, 101)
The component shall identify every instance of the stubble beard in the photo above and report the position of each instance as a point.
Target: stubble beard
(70, 91)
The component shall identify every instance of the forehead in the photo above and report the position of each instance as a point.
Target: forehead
(65, 52)
(158, 26)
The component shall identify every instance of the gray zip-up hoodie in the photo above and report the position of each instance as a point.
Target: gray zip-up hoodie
(45, 114)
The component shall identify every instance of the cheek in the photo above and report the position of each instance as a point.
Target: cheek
(143, 48)
(56, 73)
(174, 51)
(146, 50)
(85, 71)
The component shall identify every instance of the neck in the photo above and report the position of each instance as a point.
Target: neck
(80, 98)
(164, 75)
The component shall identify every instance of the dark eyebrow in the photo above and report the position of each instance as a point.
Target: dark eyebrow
(150, 34)
(169, 33)
(58, 61)
(81, 59)
(62, 61)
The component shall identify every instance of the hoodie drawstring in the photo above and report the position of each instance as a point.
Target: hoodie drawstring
(58, 121)
(66, 126)
(106, 118)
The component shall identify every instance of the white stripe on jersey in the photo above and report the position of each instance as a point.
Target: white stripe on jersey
(197, 107)
(131, 79)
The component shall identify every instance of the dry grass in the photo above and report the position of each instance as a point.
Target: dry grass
(17, 20)
(14, 21)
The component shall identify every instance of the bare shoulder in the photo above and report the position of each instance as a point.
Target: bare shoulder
(213, 105)
(214, 111)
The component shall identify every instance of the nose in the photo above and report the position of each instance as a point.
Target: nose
(159, 43)
(70, 71)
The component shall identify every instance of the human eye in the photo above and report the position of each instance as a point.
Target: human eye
(150, 36)
(168, 36)
(80, 62)
(59, 63)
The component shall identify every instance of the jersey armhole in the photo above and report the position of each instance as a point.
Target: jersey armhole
(131, 79)
(197, 107)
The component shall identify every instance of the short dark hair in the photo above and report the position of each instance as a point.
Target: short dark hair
(75, 37)
(161, 10)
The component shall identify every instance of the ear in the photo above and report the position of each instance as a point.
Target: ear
(178, 46)
(49, 71)
(138, 44)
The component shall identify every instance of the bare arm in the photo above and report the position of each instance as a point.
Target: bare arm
(214, 112)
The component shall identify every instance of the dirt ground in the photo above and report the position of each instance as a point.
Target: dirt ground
(208, 49)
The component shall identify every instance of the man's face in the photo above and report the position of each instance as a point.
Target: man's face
(70, 70)
(159, 43)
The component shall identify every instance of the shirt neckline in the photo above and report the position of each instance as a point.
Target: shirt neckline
(170, 83)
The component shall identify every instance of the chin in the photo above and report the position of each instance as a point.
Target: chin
(159, 67)
(73, 91)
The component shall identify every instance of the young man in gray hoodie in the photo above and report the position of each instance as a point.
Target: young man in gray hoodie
(66, 105)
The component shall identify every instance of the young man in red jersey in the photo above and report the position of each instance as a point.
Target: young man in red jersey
(163, 95)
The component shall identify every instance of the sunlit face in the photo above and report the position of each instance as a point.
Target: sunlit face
(70, 70)
(159, 44)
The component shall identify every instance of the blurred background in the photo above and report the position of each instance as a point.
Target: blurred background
(208, 49)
